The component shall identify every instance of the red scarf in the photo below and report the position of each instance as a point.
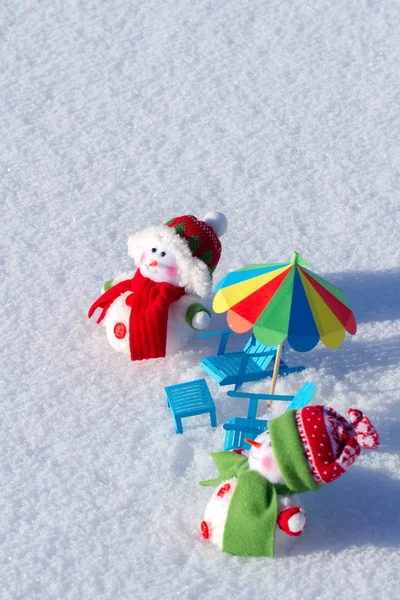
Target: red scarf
(149, 302)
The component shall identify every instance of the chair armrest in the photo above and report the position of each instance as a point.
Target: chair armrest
(247, 355)
(223, 339)
(249, 426)
(215, 333)
(251, 395)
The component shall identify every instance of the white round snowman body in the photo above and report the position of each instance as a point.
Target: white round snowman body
(291, 516)
(179, 332)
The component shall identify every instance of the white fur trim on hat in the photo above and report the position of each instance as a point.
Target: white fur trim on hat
(195, 276)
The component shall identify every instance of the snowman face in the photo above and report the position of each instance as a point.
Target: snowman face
(158, 263)
(262, 459)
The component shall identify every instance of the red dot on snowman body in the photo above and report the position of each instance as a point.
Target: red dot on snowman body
(225, 488)
(205, 530)
(120, 331)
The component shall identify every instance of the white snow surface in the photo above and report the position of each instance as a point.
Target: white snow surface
(119, 115)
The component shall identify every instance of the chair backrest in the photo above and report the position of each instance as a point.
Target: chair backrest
(303, 396)
(253, 347)
(239, 428)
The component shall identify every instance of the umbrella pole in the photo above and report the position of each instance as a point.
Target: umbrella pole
(276, 371)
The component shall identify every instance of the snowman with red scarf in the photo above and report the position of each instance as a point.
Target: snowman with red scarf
(154, 312)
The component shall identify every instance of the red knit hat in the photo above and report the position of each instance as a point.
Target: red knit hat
(315, 445)
(200, 237)
(195, 244)
(331, 443)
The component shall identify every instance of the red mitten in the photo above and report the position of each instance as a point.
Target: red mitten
(292, 520)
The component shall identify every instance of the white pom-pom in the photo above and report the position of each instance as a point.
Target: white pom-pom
(297, 522)
(201, 320)
(218, 222)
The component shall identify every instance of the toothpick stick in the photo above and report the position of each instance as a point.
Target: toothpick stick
(276, 370)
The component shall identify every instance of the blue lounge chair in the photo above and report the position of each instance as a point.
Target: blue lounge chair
(239, 428)
(249, 364)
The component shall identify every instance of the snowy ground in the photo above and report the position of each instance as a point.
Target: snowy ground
(117, 115)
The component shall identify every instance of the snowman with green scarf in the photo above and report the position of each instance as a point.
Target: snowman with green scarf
(255, 506)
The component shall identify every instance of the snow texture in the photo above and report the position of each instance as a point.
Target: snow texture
(119, 115)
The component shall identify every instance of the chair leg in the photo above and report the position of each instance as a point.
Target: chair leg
(213, 418)
(242, 371)
(252, 411)
(178, 425)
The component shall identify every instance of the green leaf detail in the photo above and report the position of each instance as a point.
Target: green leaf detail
(180, 228)
(207, 257)
(194, 242)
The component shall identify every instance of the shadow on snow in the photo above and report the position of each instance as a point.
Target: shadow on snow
(359, 509)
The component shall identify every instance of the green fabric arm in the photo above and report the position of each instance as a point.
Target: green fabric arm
(192, 310)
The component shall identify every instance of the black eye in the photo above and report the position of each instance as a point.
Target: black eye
(162, 253)
(154, 249)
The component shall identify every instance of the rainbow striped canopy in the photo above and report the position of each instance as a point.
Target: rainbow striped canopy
(282, 301)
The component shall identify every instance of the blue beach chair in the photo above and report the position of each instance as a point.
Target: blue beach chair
(239, 428)
(249, 364)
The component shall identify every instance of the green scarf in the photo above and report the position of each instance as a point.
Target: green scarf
(253, 510)
(289, 453)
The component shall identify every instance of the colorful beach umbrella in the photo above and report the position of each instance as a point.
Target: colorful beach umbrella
(285, 301)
